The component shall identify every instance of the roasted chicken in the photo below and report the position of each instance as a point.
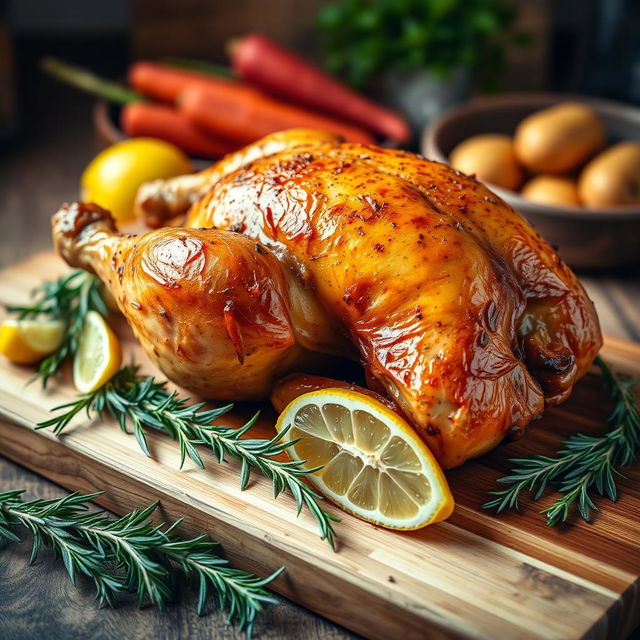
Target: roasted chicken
(458, 310)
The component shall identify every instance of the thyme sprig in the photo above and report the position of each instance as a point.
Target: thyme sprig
(586, 465)
(139, 402)
(130, 554)
(69, 298)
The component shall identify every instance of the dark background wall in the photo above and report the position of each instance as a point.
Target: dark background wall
(577, 45)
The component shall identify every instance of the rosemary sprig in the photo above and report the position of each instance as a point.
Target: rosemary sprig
(69, 298)
(130, 554)
(584, 466)
(139, 402)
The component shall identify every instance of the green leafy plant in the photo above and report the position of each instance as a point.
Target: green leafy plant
(363, 38)
(584, 466)
(69, 298)
(139, 402)
(130, 554)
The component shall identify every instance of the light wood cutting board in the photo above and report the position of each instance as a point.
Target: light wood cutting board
(475, 576)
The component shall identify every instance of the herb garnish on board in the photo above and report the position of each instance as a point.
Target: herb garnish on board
(130, 554)
(586, 465)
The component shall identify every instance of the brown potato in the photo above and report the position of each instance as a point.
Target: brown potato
(552, 190)
(491, 158)
(612, 177)
(558, 139)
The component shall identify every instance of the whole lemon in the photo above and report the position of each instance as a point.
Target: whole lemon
(113, 177)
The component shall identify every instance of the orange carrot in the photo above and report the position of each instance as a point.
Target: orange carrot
(262, 62)
(166, 123)
(243, 114)
(164, 82)
(231, 109)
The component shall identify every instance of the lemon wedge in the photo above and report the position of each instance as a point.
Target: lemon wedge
(29, 341)
(99, 355)
(373, 463)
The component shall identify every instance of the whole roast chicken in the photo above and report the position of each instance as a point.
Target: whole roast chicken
(302, 244)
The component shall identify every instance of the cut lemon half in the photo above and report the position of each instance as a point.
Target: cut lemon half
(373, 463)
(99, 355)
(29, 341)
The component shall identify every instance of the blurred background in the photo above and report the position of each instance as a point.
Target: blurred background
(418, 57)
(588, 46)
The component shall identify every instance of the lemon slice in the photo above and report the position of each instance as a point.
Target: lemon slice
(374, 465)
(98, 356)
(29, 341)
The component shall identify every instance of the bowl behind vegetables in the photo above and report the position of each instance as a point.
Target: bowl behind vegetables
(595, 238)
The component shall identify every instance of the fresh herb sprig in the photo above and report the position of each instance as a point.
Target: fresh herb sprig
(584, 466)
(365, 39)
(69, 299)
(139, 402)
(130, 554)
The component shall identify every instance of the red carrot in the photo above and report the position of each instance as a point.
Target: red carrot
(166, 123)
(243, 114)
(264, 63)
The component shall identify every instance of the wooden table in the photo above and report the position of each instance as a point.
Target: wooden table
(36, 175)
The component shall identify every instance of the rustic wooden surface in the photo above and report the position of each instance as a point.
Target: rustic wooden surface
(36, 174)
(473, 576)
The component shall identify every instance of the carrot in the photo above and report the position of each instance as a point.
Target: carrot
(231, 109)
(243, 115)
(166, 123)
(165, 83)
(264, 63)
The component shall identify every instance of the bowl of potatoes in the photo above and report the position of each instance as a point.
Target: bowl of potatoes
(570, 164)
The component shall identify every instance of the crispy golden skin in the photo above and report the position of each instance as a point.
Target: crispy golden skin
(457, 308)
(463, 313)
(161, 200)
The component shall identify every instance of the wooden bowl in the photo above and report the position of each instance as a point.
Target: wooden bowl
(593, 239)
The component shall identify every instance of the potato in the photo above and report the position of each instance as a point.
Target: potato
(491, 158)
(558, 139)
(612, 177)
(553, 190)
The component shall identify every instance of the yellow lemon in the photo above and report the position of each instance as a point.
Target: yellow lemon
(373, 463)
(29, 341)
(99, 355)
(113, 177)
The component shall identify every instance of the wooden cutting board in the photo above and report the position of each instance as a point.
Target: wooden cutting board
(475, 576)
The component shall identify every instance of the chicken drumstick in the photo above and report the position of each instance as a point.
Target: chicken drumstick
(211, 308)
